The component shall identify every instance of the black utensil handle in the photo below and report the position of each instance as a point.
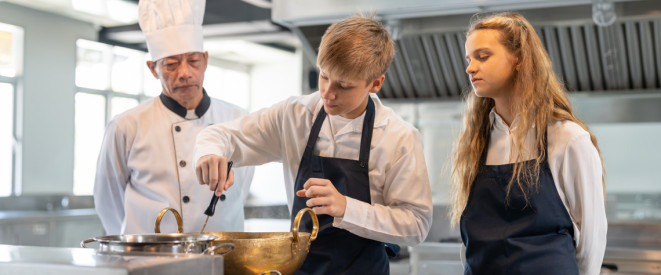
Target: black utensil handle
(214, 199)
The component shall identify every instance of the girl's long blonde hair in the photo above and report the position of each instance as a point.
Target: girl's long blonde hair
(540, 99)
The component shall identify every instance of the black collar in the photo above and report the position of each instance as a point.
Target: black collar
(181, 111)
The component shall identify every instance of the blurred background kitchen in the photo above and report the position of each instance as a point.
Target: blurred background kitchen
(68, 66)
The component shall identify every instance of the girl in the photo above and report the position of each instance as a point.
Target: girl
(528, 186)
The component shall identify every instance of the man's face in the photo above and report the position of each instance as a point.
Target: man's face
(181, 76)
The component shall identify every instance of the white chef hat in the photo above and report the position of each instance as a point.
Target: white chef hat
(171, 26)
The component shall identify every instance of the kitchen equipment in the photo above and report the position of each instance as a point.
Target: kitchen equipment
(177, 217)
(214, 200)
(29, 260)
(169, 243)
(258, 252)
(266, 252)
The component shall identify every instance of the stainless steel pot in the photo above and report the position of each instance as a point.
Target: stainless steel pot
(170, 243)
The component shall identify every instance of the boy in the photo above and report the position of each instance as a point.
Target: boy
(354, 160)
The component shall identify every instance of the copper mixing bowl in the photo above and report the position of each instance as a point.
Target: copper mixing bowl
(263, 252)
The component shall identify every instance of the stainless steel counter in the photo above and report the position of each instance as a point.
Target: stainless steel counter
(18, 260)
(630, 261)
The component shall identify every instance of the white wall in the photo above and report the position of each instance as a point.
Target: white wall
(271, 83)
(48, 88)
(275, 81)
(631, 156)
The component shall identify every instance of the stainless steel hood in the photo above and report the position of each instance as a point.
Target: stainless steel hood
(430, 36)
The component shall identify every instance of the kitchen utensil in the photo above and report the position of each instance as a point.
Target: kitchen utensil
(214, 200)
(264, 252)
(168, 243)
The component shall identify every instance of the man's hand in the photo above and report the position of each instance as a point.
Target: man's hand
(324, 196)
(211, 170)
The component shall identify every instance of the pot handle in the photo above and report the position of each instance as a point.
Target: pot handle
(212, 250)
(82, 244)
(297, 221)
(180, 223)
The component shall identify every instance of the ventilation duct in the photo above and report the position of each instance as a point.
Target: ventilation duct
(429, 61)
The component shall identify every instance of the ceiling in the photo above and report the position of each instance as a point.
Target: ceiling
(234, 30)
(620, 55)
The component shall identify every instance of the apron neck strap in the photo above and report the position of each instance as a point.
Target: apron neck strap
(366, 135)
(483, 158)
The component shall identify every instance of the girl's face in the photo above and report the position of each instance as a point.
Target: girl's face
(490, 65)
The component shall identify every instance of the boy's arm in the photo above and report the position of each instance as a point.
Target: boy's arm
(253, 139)
(406, 216)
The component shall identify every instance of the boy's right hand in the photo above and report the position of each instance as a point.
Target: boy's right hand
(211, 170)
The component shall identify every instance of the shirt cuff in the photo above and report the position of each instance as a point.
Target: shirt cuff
(353, 214)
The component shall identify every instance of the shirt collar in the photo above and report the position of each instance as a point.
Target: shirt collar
(497, 122)
(356, 125)
(176, 108)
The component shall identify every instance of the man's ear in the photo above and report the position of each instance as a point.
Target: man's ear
(152, 68)
(206, 60)
(376, 84)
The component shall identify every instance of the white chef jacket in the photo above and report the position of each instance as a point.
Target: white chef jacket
(146, 164)
(576, 170)
(401, 208)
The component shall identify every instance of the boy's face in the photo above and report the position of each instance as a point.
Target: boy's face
(346, 97)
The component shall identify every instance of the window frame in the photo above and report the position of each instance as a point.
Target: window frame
(108, 94)
(15, 188)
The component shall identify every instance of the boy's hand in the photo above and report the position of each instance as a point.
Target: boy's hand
(211, 170)
(324, 196)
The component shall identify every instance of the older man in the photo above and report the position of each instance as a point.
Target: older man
(145, 164)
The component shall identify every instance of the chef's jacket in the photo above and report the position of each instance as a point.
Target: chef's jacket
(576, 170)
(146, 165)
(401, 207)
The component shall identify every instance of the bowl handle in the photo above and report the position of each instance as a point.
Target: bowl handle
(82, 244)
(180, 223)
(297, 221)
(212, 250)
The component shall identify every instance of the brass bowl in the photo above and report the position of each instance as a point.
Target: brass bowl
(261, 252)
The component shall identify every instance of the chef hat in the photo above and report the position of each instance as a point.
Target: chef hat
(171, 26)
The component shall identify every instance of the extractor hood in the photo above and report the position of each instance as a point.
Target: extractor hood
(429, 39)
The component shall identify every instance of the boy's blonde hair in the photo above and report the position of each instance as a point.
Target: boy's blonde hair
(357, 46)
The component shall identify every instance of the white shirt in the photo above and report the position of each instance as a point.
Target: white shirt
(576, 170)
(146, 165)
(401, 207)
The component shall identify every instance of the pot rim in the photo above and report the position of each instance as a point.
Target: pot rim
(170, 238)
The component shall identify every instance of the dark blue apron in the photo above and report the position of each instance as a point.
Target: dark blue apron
(514, 237)
(337, 251)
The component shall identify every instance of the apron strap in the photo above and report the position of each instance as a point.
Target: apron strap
(483, 157)
(366, 135)
(314, 133)
(366, 138)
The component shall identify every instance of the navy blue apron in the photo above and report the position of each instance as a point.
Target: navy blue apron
(514, 237)
(337, 251)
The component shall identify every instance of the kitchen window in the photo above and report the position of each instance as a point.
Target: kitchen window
(11, 55)
(109, 81)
